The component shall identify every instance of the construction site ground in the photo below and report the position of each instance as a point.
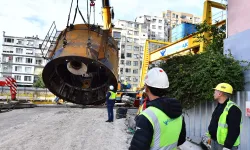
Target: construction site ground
(44, 128)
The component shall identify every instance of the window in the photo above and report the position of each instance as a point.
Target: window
(176, 16)
(136, 48)
(129, 39)
(5, 68)
(123, 39)
(8, 40)
(30, 43)
(154, 20)
(130, 24)
(141, 48)
(38, 61)
(128, 70)
(19, 50)
(18, 68)
(130, 32)
(27, 69)
(153, 27)
(136, 33)
(135, 79)
(17, 77)
(29, 51)
(123, 46)
(122, 62)
(136, 40)
(183, 17)
(135, 63)
(135, 71)
(136, 26)
(122, 55)
(7, 51)
(117, 35)
(27, 78)
(121, 70)
(153, 34)
(129, 55)
(160, 21)
(128, 63)
(159, 34)
(173, 16)
(29, 60)
(128, 78)
(160, 27)
(20, 42)
(136, 56)
(129, 47)
(19, 59)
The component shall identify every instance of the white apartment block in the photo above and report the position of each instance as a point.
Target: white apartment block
(21, 58)
(132, 37)
(173, 18)
(157, 29)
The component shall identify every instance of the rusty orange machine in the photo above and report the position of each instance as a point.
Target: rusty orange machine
(83, 62)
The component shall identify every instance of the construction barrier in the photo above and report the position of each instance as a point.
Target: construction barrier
(34, 95)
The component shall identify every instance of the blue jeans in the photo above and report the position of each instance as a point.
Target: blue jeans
(216, 146)
(110, 112)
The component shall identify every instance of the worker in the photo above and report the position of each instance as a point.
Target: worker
(225, 124)
(110, 101)
(160, 125)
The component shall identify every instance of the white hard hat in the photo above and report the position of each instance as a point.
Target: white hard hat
(157, 78)
(111, 87)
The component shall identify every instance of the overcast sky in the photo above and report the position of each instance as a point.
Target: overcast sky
(34, 17)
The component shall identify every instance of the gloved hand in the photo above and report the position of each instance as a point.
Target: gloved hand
(224, 148)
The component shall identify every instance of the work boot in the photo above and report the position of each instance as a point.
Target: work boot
(108, 121)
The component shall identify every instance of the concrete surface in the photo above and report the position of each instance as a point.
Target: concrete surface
(64, 129)
(61, 129)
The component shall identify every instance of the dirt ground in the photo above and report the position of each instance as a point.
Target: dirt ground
(65, 129)
(61, 129)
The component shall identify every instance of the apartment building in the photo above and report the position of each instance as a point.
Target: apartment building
(173, 18)
(132, 37)
(21, 58)
(157, 29)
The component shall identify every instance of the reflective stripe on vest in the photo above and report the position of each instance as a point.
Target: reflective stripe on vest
(166, 130)
(222, 129)
(112, 96)
(140, 109)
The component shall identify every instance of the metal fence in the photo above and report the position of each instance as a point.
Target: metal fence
(198, 118)
(28, 93)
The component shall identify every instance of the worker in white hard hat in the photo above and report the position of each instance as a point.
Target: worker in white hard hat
(110, 101)
(226, 122)
(161, 125)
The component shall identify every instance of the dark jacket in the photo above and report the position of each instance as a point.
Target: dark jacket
(108, 101)
(233, 122)
(143, 137)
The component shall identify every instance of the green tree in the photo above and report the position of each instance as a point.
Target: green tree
(39, 83)
(193, 77)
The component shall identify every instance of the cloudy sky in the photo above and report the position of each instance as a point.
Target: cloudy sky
(34, 17)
